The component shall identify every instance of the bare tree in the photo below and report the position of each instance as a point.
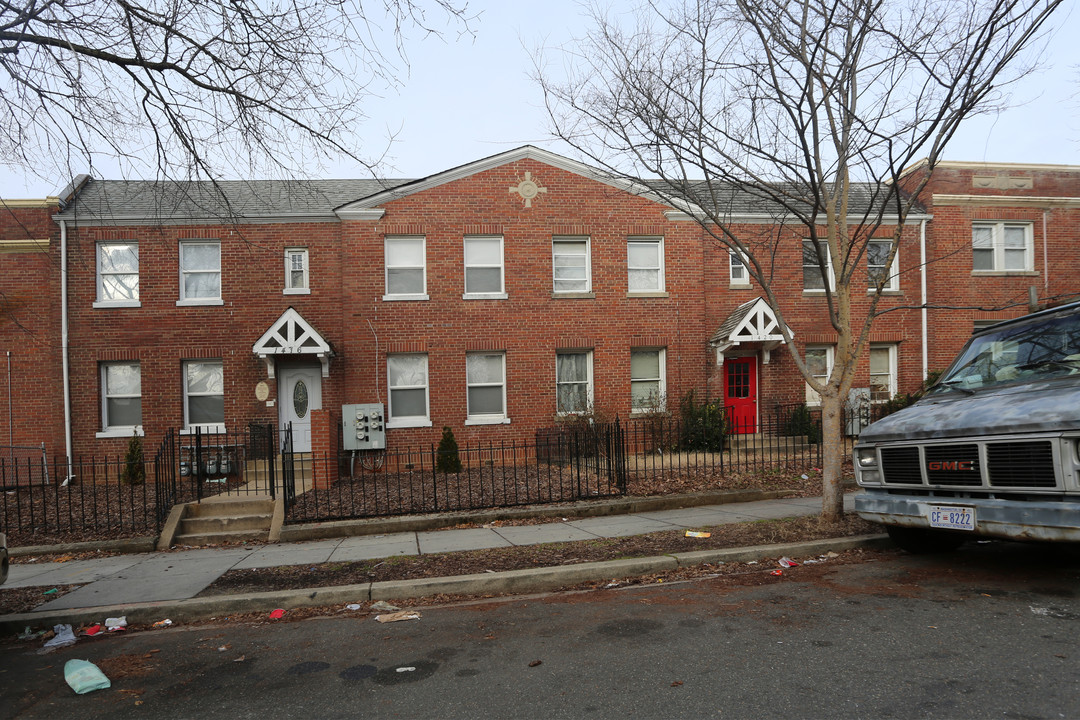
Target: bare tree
(814, 108)
(191, 89)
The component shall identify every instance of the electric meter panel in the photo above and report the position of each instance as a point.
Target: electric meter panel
(363, 426)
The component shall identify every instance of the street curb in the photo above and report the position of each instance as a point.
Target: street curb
(511, 582)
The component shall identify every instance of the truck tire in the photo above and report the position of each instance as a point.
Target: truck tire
(922, 541)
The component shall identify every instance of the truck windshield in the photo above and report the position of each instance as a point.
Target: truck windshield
(1036, 350)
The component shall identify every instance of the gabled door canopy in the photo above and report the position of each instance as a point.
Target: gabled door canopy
(751, 322)
(291, 334)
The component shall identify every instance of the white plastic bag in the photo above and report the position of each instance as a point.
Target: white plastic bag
(63, 636)
(84, 676)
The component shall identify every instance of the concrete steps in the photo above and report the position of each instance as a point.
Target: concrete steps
(225, 519)
(761, 442)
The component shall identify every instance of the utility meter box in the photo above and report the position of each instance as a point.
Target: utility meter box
(363, 426)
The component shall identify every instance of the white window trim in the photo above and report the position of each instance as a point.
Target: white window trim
(408, 421)
(113, 431)
(998, 236)
(501, 295)
(893, 284)
(189, 429)
(813, 399)
(502, 418)
(555, 240)
(831, 280)
(745, 281)
(662, 385)
(190, 302)
(387, 297)
(289, 289)
(98, 302)
(589, 382)
(893, 369)
(658, 241)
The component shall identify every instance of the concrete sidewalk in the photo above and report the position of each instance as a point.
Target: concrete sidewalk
(161, 581)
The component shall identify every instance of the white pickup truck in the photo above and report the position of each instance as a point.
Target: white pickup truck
(993, 449)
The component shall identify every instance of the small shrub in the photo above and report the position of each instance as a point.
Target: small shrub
(704, 426)
(134, 470)
(447, 459)
(802, 422)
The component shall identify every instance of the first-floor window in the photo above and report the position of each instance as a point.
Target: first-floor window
(204, 394)
(485, 375)
(819, 361)
(882, 373)
(407, 377)
(573, 381)
(647, 379)
(121, 396)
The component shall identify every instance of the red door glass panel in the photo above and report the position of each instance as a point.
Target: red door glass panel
(741, 391)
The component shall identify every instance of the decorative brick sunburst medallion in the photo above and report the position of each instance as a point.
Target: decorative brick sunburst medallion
(527, 189)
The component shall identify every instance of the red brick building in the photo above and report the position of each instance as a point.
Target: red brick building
(491, 298)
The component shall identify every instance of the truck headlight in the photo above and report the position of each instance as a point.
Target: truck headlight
(866, 457)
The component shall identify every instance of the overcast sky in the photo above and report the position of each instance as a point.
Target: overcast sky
(467, 99)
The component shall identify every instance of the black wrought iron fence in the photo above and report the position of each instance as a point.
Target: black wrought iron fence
(23, 465)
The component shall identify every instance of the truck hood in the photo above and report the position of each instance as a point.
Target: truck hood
(1028, 408)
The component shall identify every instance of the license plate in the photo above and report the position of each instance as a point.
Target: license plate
(951, 517)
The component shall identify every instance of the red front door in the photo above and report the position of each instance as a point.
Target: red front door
(741, 375)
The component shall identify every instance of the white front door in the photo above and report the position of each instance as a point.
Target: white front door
(299, 392)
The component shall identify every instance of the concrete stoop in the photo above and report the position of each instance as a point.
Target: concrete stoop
(220, 520)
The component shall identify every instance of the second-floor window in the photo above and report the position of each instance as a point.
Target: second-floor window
(645, 264)
(200, 272)
(738, 273)
(297, 281)
(117, 274)
(877, 265)
(813, 281)
(1001, 247)
(572, 269)
(484, 266)
(406, 268)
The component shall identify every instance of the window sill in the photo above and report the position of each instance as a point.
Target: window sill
(396, 298)
(819, 293)
(484, 296)
(200, 302)
(487, 421)
(101, 304)
(296, 291)
(204, 429)
(740, 285)
(1004, 273)
(651, 294)
(120, 432)
(639, 412)
(573, 296)
(408, 423)
(885, 292)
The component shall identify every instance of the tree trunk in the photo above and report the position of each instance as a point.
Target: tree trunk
(832, 451)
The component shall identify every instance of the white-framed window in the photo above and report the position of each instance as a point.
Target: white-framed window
(878, 266)
(204, 395)
(737, 271)
(1001, 247)
(573, 381)
(648, 379)
(200, 272)
(645, 264)
(117, 274)
(297, 280)
(406, 267)
(121, 399)
(882, 373)
(484, 267)
(819, 360)
(407, 380)
(571, 264)
(485, 377)
(812, 279)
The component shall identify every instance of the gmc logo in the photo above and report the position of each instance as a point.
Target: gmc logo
(958, 465)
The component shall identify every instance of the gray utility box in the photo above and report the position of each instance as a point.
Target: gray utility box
(363, 426)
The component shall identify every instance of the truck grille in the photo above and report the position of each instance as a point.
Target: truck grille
(1021, 464)
(1024, 464)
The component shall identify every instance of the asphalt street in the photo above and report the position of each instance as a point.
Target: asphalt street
(989, 631)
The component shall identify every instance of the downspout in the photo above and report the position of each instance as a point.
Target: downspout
(1046, 264)
(922, 274)
(64, 344)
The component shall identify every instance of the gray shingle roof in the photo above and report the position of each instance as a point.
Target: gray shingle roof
(244, 199)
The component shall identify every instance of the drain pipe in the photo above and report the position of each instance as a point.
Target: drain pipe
(64, 345)
(922, 273)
